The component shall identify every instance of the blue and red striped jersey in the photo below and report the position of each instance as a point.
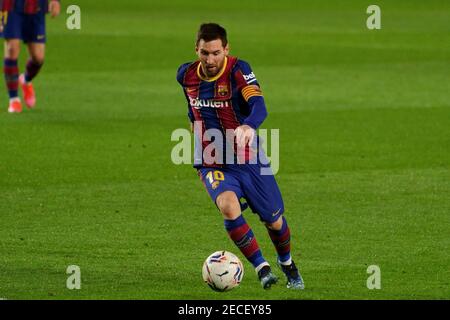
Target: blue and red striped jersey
(25, 6)
(230, 99)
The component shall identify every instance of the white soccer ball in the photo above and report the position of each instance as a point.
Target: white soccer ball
(222, 271)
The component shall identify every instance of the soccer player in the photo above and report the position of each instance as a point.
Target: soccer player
(223, 94)
(24, 20)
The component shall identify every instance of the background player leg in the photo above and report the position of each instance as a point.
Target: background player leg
(242, 235)
(281, 237)
(11, 72)
(34, 64)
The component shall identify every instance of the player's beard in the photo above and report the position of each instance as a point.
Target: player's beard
(212, 72)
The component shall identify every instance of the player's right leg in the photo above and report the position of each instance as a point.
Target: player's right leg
(225, 191)
(242, 235)
(11, 72)
(12, 33)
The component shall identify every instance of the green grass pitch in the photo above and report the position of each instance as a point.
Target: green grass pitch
(364, 118)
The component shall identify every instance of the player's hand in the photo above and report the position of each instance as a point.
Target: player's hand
(54, 8)
(244, 135)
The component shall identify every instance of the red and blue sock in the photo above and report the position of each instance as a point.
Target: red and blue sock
(11, 71)
(282, 242)
(32, 69)
(242, 235)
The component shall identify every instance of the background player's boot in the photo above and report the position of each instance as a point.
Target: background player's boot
(294, 279)
(28, 92)
(15, 106)
(266, 277)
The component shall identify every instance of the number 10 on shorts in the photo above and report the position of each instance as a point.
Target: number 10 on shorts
(214, 178)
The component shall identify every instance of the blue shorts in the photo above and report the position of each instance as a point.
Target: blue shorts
(261, 192)
(28, 27)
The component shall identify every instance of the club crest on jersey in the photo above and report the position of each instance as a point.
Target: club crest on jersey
(222, 90)
(207, 103)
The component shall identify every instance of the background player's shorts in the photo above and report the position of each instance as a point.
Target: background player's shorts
(261, 192)
(28, 27)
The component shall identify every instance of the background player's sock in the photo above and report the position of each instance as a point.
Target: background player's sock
(243, 237)
(282, 242)
(11, 71)
(32, 69)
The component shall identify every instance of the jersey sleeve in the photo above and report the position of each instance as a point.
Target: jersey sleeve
(246, 81)
(180, 76)
(248, 86)
(181, 72)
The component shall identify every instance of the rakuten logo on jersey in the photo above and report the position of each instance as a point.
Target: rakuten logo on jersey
(203, 103)
(250, 77)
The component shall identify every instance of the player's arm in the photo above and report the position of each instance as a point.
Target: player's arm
(54, 7)
(191, 118)
(245, 133)
(2, 15)
(180, 75)
(251, 92)
(190, 114)
(258, 111)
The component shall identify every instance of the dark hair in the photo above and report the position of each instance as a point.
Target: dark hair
(212, 31)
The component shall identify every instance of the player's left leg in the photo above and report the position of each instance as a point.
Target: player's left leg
(34, 65)
(281, 237)
(264, 198)
(34, 36)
